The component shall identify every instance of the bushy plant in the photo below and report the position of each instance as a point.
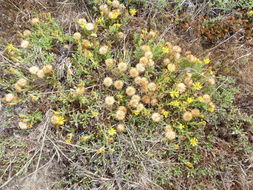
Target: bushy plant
(133, 101)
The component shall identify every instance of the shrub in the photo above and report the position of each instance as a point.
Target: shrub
(138, 105)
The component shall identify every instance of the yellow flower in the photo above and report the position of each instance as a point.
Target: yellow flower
(174, 103)
(147, 112)
(109, 2)
(112, 132)
(95, 114)
(165, 113)
(57, 120)
(200, 99)
(176, 146)
(174, 93)
(115, 15)
(136, 112)
(144, 31)
(133, 12)
(100, 20)
(112, 150)
(207, 61)
(202, 123)
(11, 69)
(83, 25)
(165, 49)
(68, 140)
(181, 126)
(250, 13)
(189, 164)
(211, 109)
(194, 142)
(197, 86)
(117, 25)
(101, 150)
(189, 100)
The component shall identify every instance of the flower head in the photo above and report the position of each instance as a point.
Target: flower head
(22, 82)
(133, 72)
(206, 98)
(27, 33)
(197, 86)
(108, 81)
(194, 141)
(47, 69)
(133, 12)
(118, 84)
(103, 50)
(57, 120)
(120, 128)
(77, 36)
(112, 132)
(122, 67)
(130, 91)
(152, 87)
(187, 116)
(33, 70)
(170, 135)
(109, 100)
(90, 26)
(24, 44)
(35, 21)
(40, 74)
(171, 67)
(120, 115)
(181, 87)
(156, 117)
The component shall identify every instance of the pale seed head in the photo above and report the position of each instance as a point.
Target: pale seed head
(195, 112)
(27, 33)
(35, 21)
(181, 87)
(146, 99)
(122, 108)
(152, 86)
(145, 48)
(77, 36)
(122, 67)
(22, 82)
(133, 72)
(24, 44)
(33, 70)
(22, 125)
(120, 128)
(40, 74)
(109, 100)
(144, 60)
(103, 50)
(120, 115)
(9, 97)
(206, 98)
(140, 67)
(90, 26)
(118, 84)
(170, 135)
(47, 69)
(156, 117)
(130, 91)
(187, 116)
(109, 62)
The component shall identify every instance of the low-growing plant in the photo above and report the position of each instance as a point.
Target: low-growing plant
(136, 107)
